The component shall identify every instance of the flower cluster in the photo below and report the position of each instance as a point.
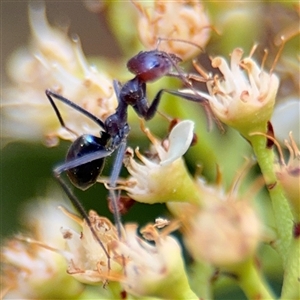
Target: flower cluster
(41, 66)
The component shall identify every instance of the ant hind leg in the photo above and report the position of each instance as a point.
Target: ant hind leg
(78, 206)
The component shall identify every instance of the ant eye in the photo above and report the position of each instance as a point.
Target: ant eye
(156, 64)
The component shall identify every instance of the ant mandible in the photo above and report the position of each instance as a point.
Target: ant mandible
(86, 155)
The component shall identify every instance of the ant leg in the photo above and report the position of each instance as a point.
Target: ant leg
(59, 117)
(185, 95)
(117, 87)
(51, 94)
(199, 99)
(113, 179)
(112, 183)
(188, 96)
(186, 77)
(76, 203)
(82, 160)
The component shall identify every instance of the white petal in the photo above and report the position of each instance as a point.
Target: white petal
(286, 118)
(180, 140)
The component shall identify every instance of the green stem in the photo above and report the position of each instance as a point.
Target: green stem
(176, 289)
(201, 274)
(291, 283)
(252, 282)
(282, 212)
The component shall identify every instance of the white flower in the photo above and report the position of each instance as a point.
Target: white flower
(165, 177)
(180, 20)
(245, 98)
(52, 61)
(152, 270)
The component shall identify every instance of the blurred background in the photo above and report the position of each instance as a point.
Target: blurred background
(26, 168)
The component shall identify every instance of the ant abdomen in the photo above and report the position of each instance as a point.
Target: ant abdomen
(152, 65)
(85, 175)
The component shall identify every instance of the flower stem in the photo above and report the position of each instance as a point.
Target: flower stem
(201, 275)
(291, 283)
(282, 213)
(252, 282)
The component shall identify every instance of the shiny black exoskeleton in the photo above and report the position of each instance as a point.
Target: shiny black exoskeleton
(85, 175)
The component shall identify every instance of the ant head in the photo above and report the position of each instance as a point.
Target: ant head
(152, 65)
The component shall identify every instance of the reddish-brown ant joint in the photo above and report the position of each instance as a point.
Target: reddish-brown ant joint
(124, 204)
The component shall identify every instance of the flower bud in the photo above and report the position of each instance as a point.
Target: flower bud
(225, 231)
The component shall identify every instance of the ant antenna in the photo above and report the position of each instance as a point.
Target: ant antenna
(161, 39)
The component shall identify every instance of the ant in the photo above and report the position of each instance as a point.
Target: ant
(86, 155)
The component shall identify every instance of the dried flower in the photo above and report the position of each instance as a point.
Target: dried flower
(182, 20)
(148, 183)
(53, 61)
(152, 270)
(87, 260)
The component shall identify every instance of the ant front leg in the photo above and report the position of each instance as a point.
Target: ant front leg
(188, 96)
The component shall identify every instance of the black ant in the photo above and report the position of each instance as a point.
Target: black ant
(85, 157)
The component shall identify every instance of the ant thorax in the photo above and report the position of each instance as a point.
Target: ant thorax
(132, 92)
